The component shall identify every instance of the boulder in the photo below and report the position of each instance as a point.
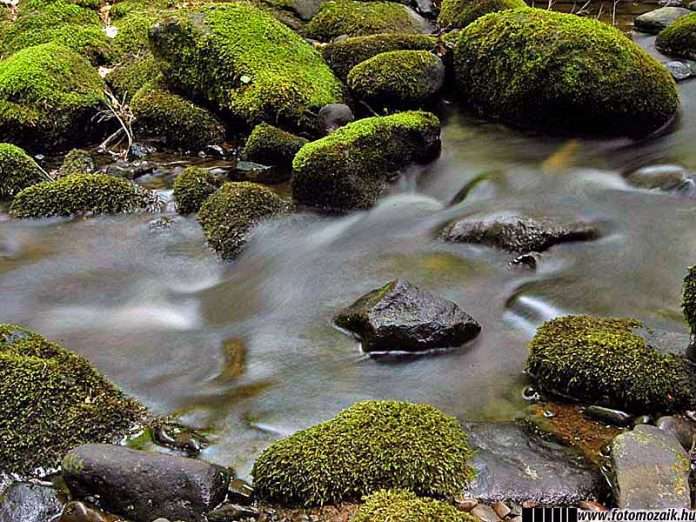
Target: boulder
(400, 317)
(334, 116)
(25, 502)
(655, 21)
(17, 171)
(192, 187)
(129, 76)
(143, 486)
(405, 506)
(457, 14)
(651, 470)
(680, 427)
(662, 177)
(679, 39)
(272, 146)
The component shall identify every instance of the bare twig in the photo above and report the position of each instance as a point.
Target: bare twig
(120, 111)
(613, 12)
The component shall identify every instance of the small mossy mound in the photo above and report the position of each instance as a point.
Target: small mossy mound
(127, 78)
(77, 161)
(229, 216)
(560, 72)
(81, 194)
(689, 298)
(244, 63)
(48, 97)
(460, 13)
(348, 168)
(17, 171)
(52, 400)
(603, 361)
(370, 446)
(679, 38)
(192, 187)
(398, 78)
(354, 18)
(272, 146)
(175, 121)
(405, 506)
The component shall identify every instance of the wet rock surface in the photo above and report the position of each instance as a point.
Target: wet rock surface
(333, 116)
(681, 427)
(24, 502)
(668, 178)
(655, 21)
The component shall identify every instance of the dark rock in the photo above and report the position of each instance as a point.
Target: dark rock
(609, 415)
(651, 470)
(305, 9)
(144, 486)
(334, 116)
(513, 466)
(240, 492)
(401, 317)
(232, 513)
(655, 21)
(683, 429)
(24, 502)
(79, 512)
(179, 438)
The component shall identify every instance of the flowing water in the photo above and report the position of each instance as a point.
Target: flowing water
(156, 311)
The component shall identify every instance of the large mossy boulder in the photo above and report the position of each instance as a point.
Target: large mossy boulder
(244, 63)
(370, 446)
(405, 506)
(17, 171)
(128, 77)
(48, 97)
(562, 73)
(192, 187)
(348, 169)
(679, 39)
(398, 78)
(52, 400)
(82, 194)
(355, 18)
(456, 14)
(272, 146)
(604, 361)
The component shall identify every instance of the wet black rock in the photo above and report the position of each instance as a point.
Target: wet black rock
(609, 415)
(80, 512)
(334, 116)
(655, 21)
(401, 317)
(514, 466)
(682, 428)
(24, 502)
(142, 485)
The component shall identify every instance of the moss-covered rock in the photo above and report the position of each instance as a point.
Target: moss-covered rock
(192, 187)
(229, 216)
(52, 400)
(679, 39)
(345, 54)
(603, 361)
(398, 78)
(127, 78)
(405, 506)
(354, 18)
(175, 121)
(81, 194)
(77, 161)
(272, 146)
(48, 97)
(560, 72)
(689, 299)
(370, 446)
(244, 63)
(460, 13)
(132, 32)
(17, 171)
(348, 169)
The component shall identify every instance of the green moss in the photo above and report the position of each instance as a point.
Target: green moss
(354, 18)
(192, 187)
(689, 298)
(52, 400)
(405, 506)
(398, 78)
(48, 97)
(80, 194)
(348, 168)
(679, 38)
(132, 35)
(460, 13)
(175, 121)
(561, 72)
(272, 146)
(17, 171)
(127, 78)
(370, 446)
(345, 54)
(598, 360)
(77, 161)
(229, 216)
(243, 62)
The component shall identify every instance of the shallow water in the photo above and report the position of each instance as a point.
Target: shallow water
(153, 308)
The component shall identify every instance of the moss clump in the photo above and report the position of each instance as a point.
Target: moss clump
(177, 122)
(679, 38)
(405, 506)
(370, 446)
(271, 145)
(243, 62)
(81, 194)
(192, 187)
(17, 171)
(345, 54)
(460, 13)
(354, 18)
(77, 161)
(400, 78)
(229, 216)
(127, 78)
(602, 361)
(689, 298)
(561, 72)
(52, 400)
(348, 168)
(48, 97)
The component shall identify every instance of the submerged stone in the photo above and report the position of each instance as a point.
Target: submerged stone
(655, 21)
(405, 506)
